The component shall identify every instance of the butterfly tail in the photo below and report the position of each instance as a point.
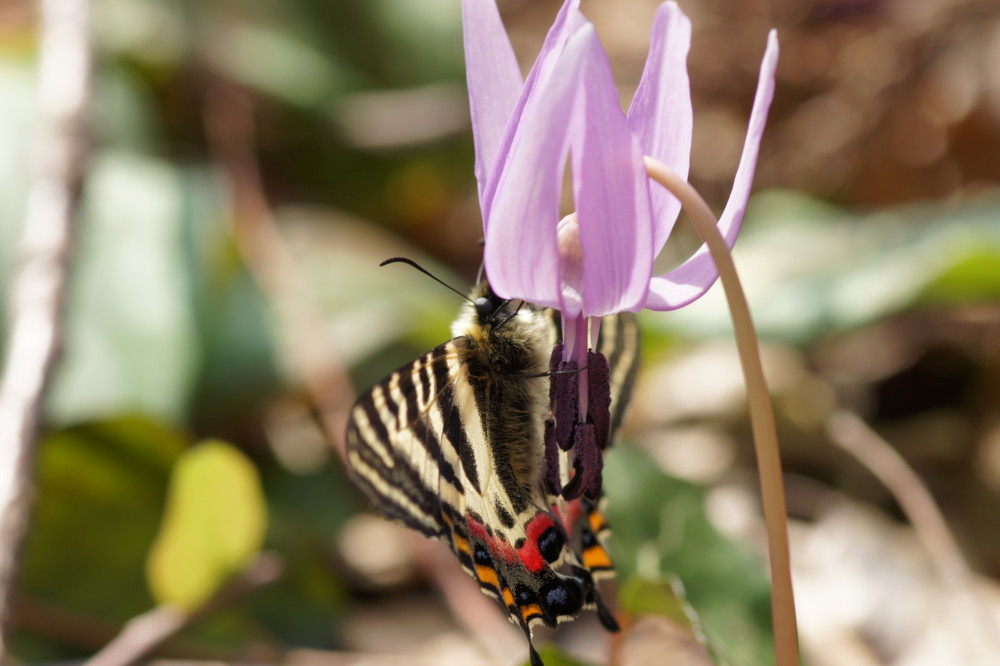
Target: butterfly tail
(536, 660)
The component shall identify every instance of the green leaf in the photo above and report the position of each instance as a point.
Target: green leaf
(659, 528)
(973, 278)
(639, 595)
(276, 61)
(163, 317)
(234, 324)
(214, 523)
(339, 259)
(100, 491)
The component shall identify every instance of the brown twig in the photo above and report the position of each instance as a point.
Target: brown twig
(35, 335)
(144, 633)
(765, 436)
(229, 123)
(848, 431)
(81, 629)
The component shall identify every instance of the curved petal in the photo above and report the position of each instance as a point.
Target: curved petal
(692, 279)
(661, 114)
(521, 254)
(493, 78)
(611, 190)
(566, 23)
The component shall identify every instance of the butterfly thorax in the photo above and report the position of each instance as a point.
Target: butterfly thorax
(506, 347)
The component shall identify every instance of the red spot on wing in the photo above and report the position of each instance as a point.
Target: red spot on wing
(503, 549)
(499, 548)
(529, 552)
(477, 529)
(531, 557)
(537, 526)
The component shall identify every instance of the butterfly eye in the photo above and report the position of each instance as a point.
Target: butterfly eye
(484, 306)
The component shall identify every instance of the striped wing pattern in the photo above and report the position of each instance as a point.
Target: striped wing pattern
(424, 447)
(618, 341)
(403, 439)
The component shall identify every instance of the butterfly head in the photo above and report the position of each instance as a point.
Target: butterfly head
(489, 307)
(496, 322)
(488, 314)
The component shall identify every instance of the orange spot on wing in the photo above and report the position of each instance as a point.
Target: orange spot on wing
(596, 557)
(508, 597)
(461, 545)
(597, 522)
(487, 576)
(527, 612)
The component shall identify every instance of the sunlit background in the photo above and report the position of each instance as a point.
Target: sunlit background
(252, 161)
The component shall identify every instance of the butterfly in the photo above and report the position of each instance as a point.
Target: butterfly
(452, 445)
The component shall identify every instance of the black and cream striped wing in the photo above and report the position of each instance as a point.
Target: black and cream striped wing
(411, 440)
(618, 341)
(407, 446)
(425, 451)
(441, 449)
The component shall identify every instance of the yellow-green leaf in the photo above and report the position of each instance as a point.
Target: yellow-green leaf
(212, 526)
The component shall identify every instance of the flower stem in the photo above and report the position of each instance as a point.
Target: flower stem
(761, 412)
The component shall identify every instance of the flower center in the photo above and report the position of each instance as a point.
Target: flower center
(571, 262)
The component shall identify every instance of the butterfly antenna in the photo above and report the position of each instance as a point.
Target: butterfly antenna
(405, 260)
(509, 317)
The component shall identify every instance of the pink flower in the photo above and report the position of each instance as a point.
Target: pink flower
(599, 260)
(568, 109)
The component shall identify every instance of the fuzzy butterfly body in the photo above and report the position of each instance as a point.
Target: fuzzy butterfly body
(453, 445)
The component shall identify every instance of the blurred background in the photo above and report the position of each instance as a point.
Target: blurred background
(252, 161)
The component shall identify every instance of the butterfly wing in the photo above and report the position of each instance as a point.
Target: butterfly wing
(618, 341)
(451, 447)
(395, 454)
(454, 452)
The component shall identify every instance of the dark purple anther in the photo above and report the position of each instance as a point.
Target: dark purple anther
(586, 463)
(586, 434)
(599, 397)
(563, 397)
(553, 484)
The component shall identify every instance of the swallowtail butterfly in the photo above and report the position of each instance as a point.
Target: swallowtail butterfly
(451, 445)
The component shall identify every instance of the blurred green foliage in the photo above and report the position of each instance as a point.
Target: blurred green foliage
(213, 524)
(811, 269)
(110, 475)
(661, 530)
